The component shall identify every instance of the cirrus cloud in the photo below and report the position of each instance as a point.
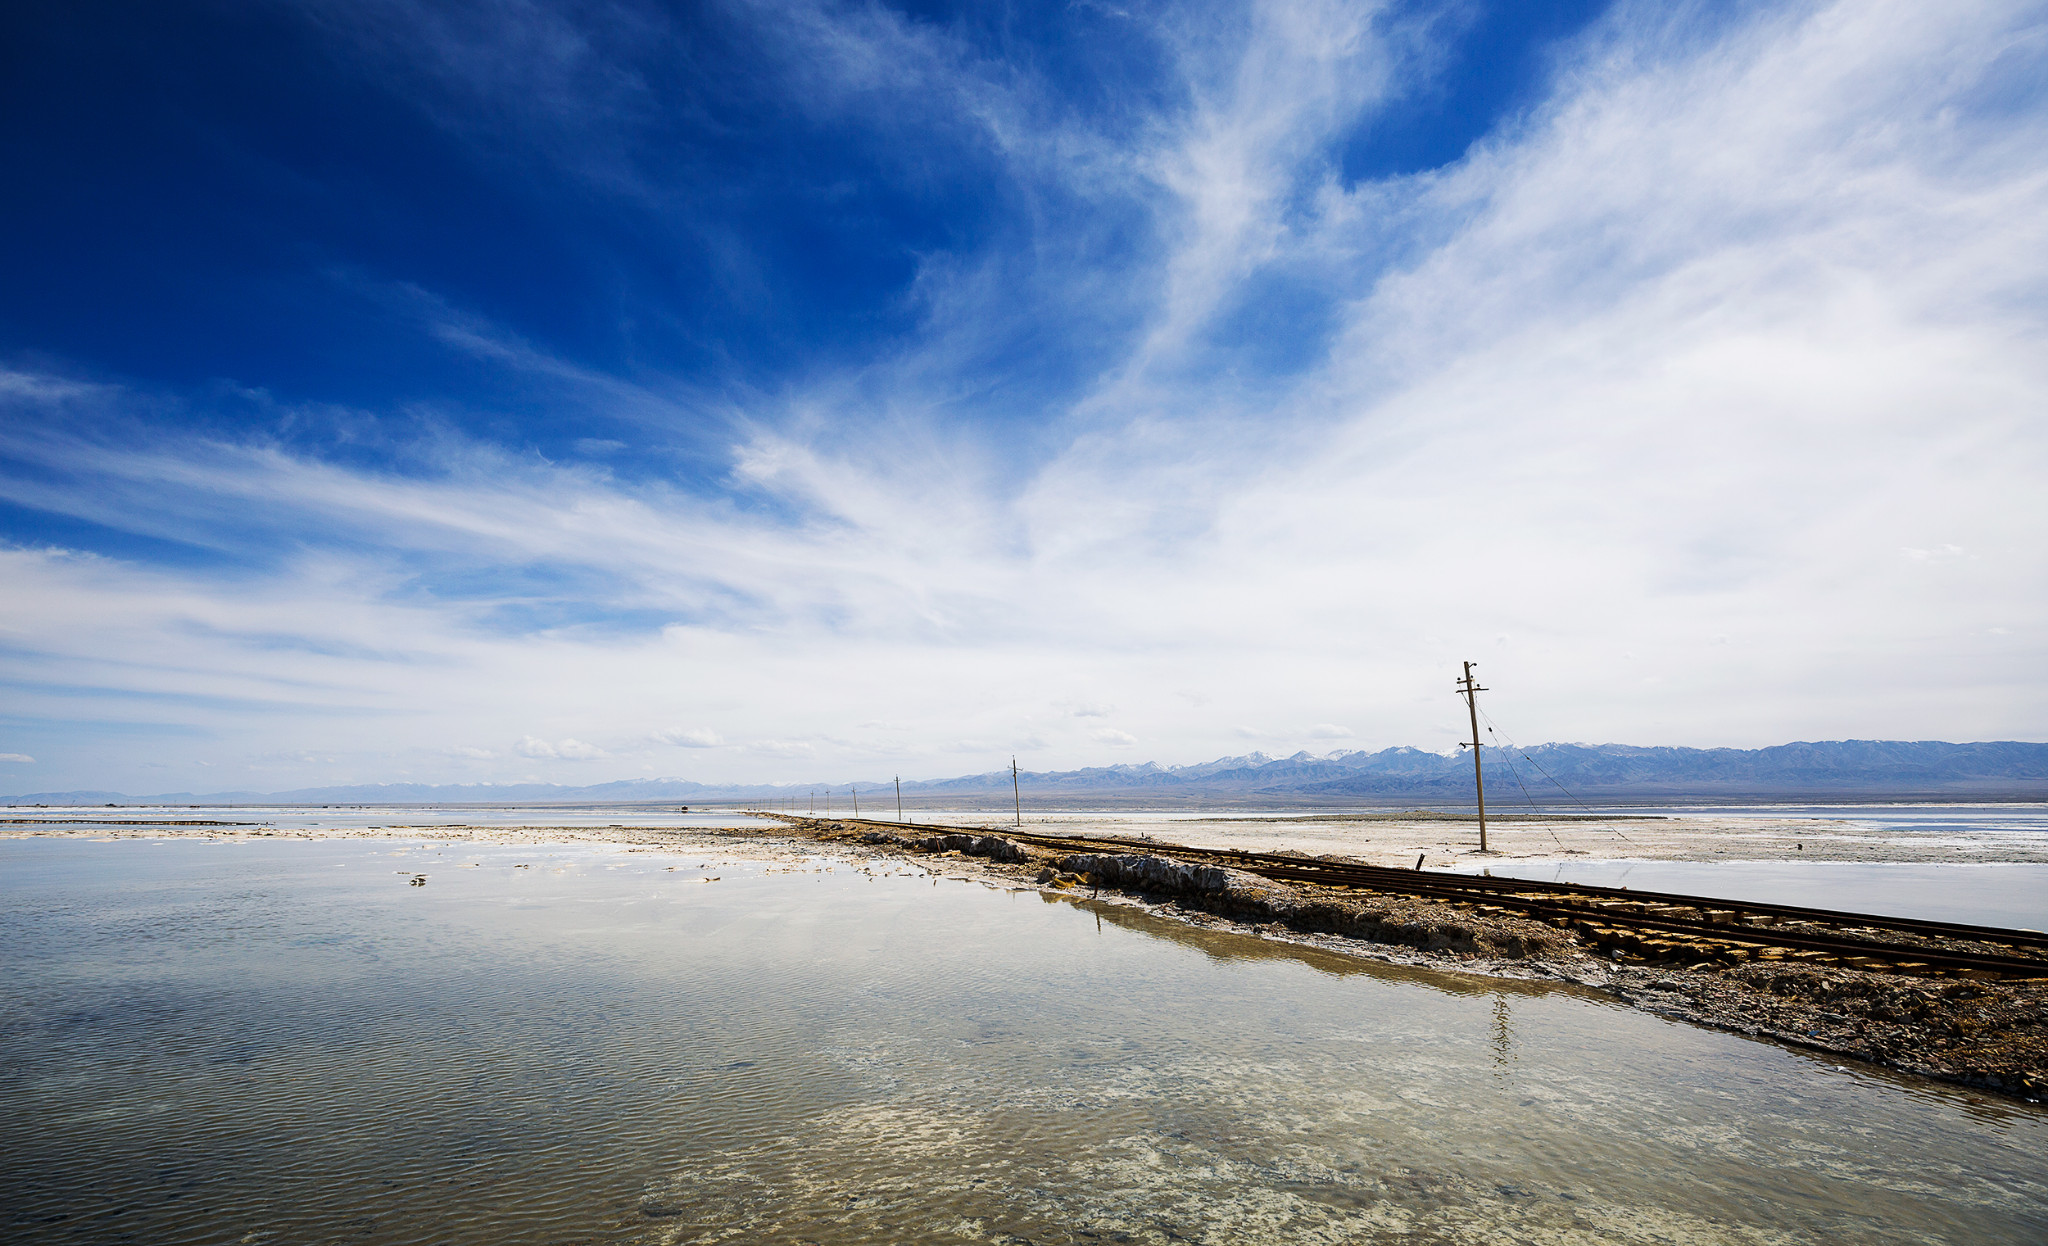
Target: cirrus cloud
(1711, 377)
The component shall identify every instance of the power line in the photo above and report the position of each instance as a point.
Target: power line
(1490, 727)
(1518, 783)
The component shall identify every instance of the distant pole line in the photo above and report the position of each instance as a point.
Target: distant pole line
(899, 798)
(856, 799)
(1016, 792)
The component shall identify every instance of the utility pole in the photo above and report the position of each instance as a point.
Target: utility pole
(856, 799)
(1469, 688)
(899, 798)
(1016, 793)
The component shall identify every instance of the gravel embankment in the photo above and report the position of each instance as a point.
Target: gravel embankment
(1989, 1034)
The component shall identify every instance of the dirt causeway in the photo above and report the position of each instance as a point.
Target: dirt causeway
(1989, 1034)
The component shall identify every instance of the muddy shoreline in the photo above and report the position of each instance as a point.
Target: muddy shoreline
(1988, 1035)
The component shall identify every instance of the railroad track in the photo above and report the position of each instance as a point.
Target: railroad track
(1657, 926)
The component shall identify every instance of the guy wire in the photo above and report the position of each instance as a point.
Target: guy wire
(1518, 782)
(1546, 774)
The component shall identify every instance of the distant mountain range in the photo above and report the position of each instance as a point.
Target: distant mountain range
(1548, 774)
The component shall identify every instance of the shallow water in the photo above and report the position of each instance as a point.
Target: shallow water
(2024, 818)
(381, 817)
(265, 1041)
(2012, 895)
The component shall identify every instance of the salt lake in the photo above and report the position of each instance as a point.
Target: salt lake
(284, 1040)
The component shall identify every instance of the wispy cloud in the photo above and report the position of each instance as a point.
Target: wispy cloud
(557, 750)
(699, 737)
(1709, 360)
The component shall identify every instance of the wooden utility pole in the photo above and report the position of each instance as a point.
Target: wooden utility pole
(1016, 793)
(856, 799)
(899, 798)
(1469, 688)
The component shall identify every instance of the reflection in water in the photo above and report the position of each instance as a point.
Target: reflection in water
(286, 1042)
(1229, 946)
(1503, 1031)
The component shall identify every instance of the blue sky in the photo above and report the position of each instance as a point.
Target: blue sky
(517, 390)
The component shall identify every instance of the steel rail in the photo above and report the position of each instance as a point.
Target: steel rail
(1405, 882)
(1770, 936)
(1587, 914)
(1481, 883)
(1954, 930)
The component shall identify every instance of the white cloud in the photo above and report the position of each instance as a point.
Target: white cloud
(22, 758)
(564, 750)
(1939, 553)
(1112, 737)
(1330, 731)
(1703, 348)
(699, 737)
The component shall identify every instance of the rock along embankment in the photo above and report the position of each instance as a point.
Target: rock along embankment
(1246, 897)
(1379, 919)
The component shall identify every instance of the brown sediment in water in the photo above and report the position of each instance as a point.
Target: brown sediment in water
(1987, 1034)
